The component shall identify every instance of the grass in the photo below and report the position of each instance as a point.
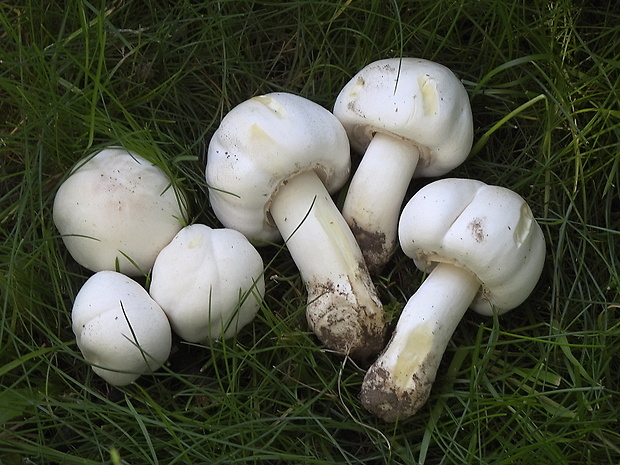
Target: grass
(537, 385)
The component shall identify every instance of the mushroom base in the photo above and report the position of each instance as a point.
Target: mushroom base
(400, 380)
(381, 395)
(341, 322)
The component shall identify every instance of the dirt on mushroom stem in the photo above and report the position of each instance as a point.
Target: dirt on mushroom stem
(372, 245)
(344, 324)
(392, 403)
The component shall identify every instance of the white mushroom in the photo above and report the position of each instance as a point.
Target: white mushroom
(117, 207)
(410, 117)
(484, 250)
(271, 167)
(209, 282)
(119, 329)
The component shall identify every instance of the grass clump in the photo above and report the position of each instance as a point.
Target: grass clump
(539, 384)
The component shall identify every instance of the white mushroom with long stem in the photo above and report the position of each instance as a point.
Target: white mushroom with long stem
(410, 118)
(209, 282)
(271, 168)
(121, 332)
(117, 209)
(483, 249)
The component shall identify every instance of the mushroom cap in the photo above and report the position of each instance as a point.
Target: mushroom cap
(414, 99)
(119, 329)
(488, 230)
(113, 204)
(209, 282)
(259, 145)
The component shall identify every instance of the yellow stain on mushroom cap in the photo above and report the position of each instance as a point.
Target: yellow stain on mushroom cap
(259, 135)
(195, 242)
(524, 225)
(430, 96)
(356, 88)
(272, 104)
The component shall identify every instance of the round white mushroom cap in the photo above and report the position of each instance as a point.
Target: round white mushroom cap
(119, 329)
(115, 205)
(414, 99)
(488, 230)
(259, 145)
(209, 282)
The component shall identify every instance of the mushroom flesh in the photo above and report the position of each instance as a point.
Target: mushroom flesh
(410, 117)
(482, 249)
(121, 332)
(272, 166)
(209, 282)
(116, 211)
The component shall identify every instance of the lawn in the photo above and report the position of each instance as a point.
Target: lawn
(538, 385)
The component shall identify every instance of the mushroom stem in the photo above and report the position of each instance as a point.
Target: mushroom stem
(343, 310)
(376, 194)
(400, 380)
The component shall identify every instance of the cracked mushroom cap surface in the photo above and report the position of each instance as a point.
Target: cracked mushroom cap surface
(259, 145)
(413, 99)
(117, 204)
(488, 230)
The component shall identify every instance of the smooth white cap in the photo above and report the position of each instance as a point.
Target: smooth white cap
(259, 145)
(119, 329)
(488, 230)
(415, 99)
(209, 282)
(117, 203)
